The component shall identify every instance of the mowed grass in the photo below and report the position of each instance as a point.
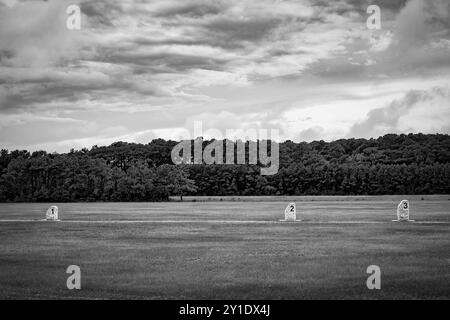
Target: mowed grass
(201, 259)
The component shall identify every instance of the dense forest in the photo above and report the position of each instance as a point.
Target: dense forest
(392, 164)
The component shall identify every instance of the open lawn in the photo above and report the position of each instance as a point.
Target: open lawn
(228, 249)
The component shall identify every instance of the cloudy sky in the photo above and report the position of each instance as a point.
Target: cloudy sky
(137, 70)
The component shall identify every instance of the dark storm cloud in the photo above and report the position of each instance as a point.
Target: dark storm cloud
(192, 9)
(339, 68)
(101, 13)
(168, 62)
(232, 29)
(359, 7)
(12, 103)
(392, 5)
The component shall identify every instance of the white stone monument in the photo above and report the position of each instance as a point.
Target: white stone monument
(52, 214)
(403, 211)
(290, 213)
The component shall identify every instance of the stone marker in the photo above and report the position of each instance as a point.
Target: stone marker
(403, 211)
(290, 214)
(52, 214)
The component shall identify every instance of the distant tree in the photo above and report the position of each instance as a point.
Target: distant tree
(174, 180)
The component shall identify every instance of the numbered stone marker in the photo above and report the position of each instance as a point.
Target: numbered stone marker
(290, 214)
(403, 211)
(52, 214)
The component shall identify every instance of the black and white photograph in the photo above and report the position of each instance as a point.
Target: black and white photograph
(226, 155)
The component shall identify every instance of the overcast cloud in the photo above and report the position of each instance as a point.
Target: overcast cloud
(138, 70)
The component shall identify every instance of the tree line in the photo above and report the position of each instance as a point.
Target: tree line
(392, 164)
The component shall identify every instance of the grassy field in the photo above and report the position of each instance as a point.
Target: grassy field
(232, 249)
